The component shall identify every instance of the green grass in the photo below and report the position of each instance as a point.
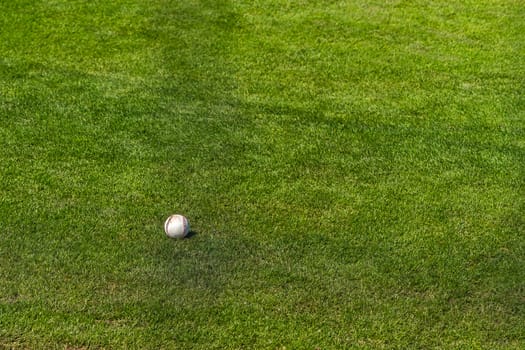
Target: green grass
(354, 172)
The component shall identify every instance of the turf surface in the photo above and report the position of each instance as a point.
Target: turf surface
(353, 171)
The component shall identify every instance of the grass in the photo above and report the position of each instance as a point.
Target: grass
(353, 171)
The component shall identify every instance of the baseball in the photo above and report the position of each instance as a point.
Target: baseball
(176, 226)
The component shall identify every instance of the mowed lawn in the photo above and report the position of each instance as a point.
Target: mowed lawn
(353, 171)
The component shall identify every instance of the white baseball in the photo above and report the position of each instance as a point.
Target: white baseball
(176, 226)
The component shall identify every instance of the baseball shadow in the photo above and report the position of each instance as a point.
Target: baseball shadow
(191, 234)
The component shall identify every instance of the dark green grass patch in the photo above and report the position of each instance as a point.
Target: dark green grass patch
(353, 173)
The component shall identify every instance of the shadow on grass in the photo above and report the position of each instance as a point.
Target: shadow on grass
(191, 234)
